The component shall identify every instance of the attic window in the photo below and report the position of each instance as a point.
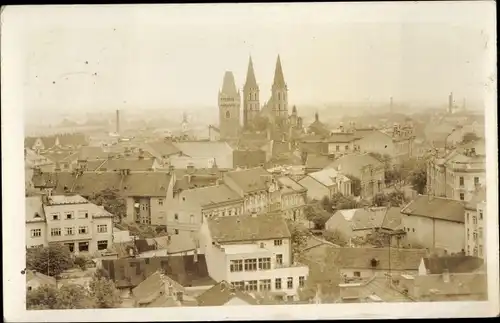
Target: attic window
(374, 262)
(37, 215)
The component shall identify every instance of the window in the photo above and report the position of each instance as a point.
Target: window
(176, 217)
(55, 216)
(71, 246)
(55, 232)
(461, 181)
(223, 213)
(289, 298)
(236, 265)
(35, 233)
(480, 215)
(29, 288)
(264, 263)
(70, 231)
(476, 180)
(474, 235)
(337, 148)
(102, 228)
(279, 259)
(191, 219)
(69, 215)
(83, 215)
(83, 230)
(277, 283)
(251, 285)
(102, 245)
(176, 231)
(265, 284)
(160, 201)
(474, 219)
(83, 246)
(480, 251)
(250, 264)
(183, 198)
(346, 147)
(240, 285)
(289, 283)
(278, 242)
(302, 281)
(413, 229)
(462, 196)
(357, 274)
(228, 115)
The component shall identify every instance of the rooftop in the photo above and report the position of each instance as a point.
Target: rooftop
(233, 249)
(34, 209)
(248, 228)
(250, 180)
(436, 208)
(222, 293)
(329, 177)
(66, 199)
(452, 264)
(211, 195)
(353, 164)
(288, 185)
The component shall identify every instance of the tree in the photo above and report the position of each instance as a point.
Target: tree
(112, 201)
(103, 292)
(335, 237)
(81, 262)
(341, 202)
(326, 204)
(380, 199)
(355, 185)
(469, 137)
(418, 179)
(299, 236)
(317, 215)
(50, 297)
(51, 260)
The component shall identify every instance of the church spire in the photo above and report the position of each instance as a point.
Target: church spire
(279, 79)
(228, 85)
(250, 82)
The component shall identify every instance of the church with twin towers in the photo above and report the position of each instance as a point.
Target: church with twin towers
(231, 103)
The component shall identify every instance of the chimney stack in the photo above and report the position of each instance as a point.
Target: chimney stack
(117, 121)
(450, 103)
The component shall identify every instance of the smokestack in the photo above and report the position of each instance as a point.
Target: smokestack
(450, 103)
(117, 121)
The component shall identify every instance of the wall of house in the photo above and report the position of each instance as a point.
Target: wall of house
(158, 210)
(433, 233)
(454, 189)
(102, 236)
(121, 236)
(315, 190)
(372, 181)
(256, 202)
(475, 235)
(130, 216)
(32, 241)
(369, 272)
(335, 148)
(376, 142)
(215, 258)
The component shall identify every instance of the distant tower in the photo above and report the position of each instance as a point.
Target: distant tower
(293, 117)
(117, 121)
(392, 105)
(229, 108)
(450, 103)
(251, 103)
(279, 93)
(185, 123)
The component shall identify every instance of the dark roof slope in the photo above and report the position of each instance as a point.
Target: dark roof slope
(454, 264)
(248, 228)
(222, 293)
(436, 208)
(250, 180)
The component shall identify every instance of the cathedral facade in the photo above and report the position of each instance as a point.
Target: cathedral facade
(275, 110)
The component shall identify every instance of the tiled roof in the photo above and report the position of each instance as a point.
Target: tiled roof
(379, 287)
(91, 153)
(454, 264)
(314, 161)
(149, 286)
(145, 164)
(250, 180)
(211, 195)
(463, 284)
(41, 278)
(34, 209)
(66, 199)
(341, 138)
(205, 149)
(221, 293)
(400, 259)
(248, 228)
(73, 139)
(144, 245)
(195, 181)
(60, 155)
(288, 185)
(280, 147)
(181, 243)
(329, 177)
(436, 208)
(163, 148)
(249, 158)
(134, 184)
(392, 219)
(368, 218)
(352, 164)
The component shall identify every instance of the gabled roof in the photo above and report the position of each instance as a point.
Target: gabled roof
(211, 195)
(315, 161)
(461, 286)
(436, 208)
(392, 219)
(60, 155)
(249, 158)
(164, 148)
(454, 264)
(131, 164)
(92, 153)
(288, 185)
(34, 209)
(205, 149)
(328, 177)
(368, 218)
(221, 293)
(250, 180)
(353, 164)
(248, 228)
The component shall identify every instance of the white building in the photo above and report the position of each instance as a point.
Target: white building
(475, 218)
(253, 253)
(71, 220)
(326, 182)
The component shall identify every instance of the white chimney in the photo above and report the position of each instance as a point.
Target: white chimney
(446, 276)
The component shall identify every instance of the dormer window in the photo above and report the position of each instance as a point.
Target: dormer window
(37, 215)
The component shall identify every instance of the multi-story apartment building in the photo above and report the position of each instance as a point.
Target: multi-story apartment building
(253, 186)
(70, 220)
(293, 198)
(457, 175)
(254, 253)
(189, 208)
(475, 218)
(369, 170)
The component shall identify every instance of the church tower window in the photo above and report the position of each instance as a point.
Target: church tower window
(228, 115)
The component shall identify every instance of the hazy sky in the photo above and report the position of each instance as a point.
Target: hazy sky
(160, 56)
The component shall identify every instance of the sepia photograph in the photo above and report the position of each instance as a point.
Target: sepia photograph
(187, 162)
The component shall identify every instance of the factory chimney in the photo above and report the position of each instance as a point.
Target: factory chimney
(117, 121)
(450, 103)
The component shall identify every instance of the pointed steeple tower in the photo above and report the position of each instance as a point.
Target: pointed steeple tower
(279, 79)
(279, 92)
(251, 102)
(229, 108)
